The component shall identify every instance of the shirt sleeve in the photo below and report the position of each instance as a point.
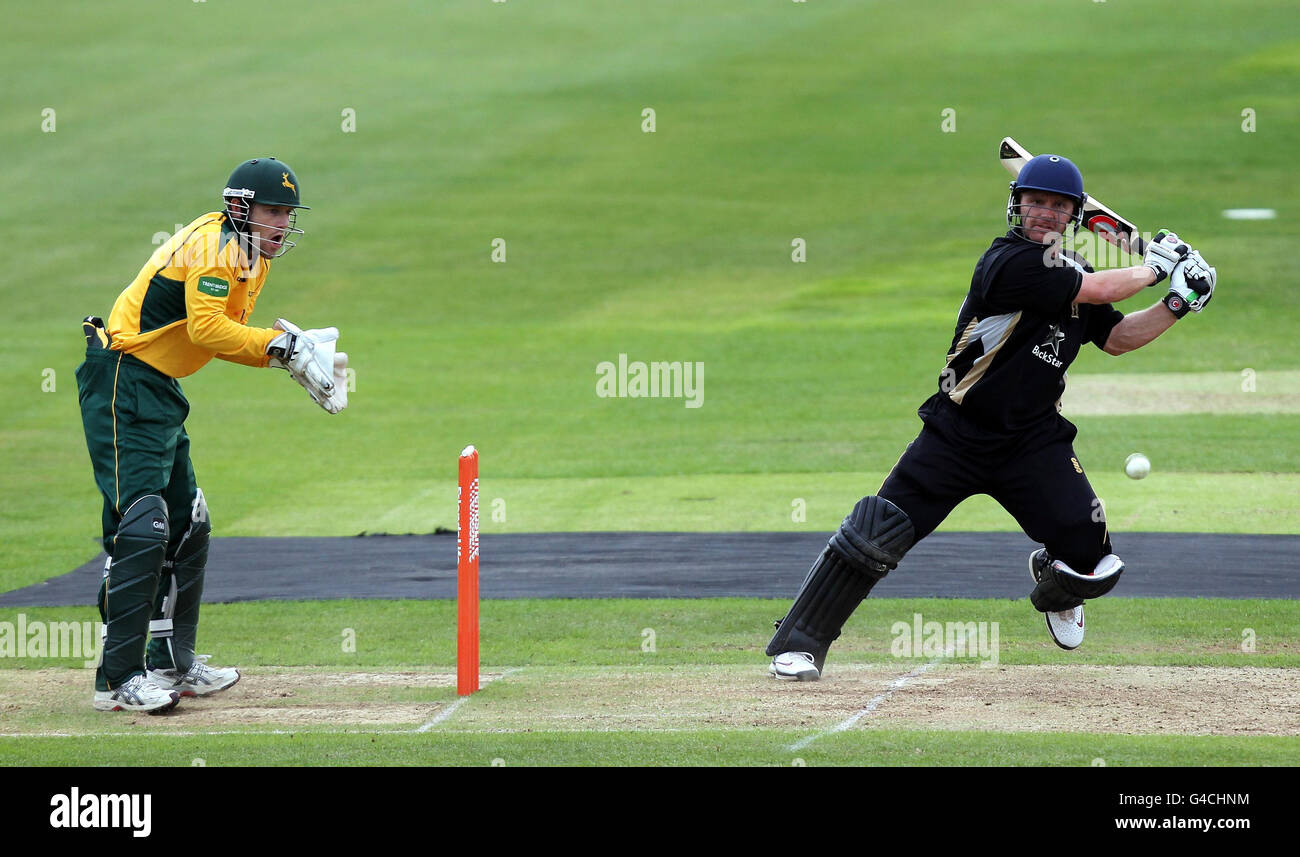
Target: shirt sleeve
(208, 281)
(1024, 282)
(1102, 319)
(259, 359)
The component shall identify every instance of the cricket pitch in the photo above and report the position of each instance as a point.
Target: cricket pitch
(1129, 700)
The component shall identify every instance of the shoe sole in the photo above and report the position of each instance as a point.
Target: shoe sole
(1052, 633)
(117, 706)
(213, 690)
(806, 675)
(194, 693)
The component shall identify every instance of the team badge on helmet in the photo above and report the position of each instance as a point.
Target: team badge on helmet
(267, 181)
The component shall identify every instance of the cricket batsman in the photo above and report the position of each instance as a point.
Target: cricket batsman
(994, 424)
(190, 302)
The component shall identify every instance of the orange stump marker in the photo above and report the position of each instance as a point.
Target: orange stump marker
(467, 574)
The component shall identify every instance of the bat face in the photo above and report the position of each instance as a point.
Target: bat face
(1096, 216)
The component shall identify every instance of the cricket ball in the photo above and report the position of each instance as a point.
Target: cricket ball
(1137, 466)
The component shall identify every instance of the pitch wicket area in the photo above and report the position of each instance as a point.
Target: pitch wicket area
(934, 696)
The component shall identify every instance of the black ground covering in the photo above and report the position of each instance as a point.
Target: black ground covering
(691, 565)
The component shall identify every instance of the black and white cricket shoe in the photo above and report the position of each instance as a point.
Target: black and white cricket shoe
(795, 666)
(1065, 626)
(138, 693)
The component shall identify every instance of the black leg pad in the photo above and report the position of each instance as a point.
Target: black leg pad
(870, 542)
(138, 550)
(875, 534)
(176, 610)
(1062, 588)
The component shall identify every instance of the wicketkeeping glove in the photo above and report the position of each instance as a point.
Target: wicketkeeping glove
(1191, 286)
(308, 356)
(1164, 253)
(338, 400)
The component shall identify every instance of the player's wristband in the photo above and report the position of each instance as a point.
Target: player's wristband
(281, 348)
(1176, 304)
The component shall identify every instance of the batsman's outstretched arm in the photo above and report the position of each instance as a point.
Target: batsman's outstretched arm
(1164, 254)
(1109, 287)
(1139, 328)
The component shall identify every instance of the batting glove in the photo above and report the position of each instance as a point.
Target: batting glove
(1164, 253)
(1191, 286)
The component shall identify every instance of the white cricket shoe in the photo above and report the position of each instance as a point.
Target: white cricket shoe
(1065, 626)
(199, 680)
(139, 693)
(795, 666)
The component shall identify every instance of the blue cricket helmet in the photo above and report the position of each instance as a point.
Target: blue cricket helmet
(1051, 173)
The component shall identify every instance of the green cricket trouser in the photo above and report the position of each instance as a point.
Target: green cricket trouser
(134, 419)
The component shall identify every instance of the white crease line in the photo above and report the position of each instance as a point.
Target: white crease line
(438, 718)
(443, 715)
(876, 700)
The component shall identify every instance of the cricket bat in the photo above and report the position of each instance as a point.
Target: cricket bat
(1096, 216)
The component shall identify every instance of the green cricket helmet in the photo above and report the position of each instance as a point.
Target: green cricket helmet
(267, 181)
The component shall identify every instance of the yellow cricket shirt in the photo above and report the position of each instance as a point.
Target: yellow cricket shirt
(190, 301)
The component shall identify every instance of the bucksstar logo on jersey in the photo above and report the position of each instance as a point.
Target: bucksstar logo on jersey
(1053, 340)
(92, 810)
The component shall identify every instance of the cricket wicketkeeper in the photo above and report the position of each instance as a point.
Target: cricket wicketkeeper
(994, 425)
(189, 303)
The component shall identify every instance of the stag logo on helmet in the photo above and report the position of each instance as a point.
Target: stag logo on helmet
(287, 183)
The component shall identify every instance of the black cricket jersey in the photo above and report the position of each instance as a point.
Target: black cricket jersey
(1017, 332)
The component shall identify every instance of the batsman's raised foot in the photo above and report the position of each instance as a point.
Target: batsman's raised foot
(1065, 626)
(795, 666)
(199, 680)
(138, 693)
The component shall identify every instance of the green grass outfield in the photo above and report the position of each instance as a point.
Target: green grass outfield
(590, 632)
(474, 121)
(758, 747)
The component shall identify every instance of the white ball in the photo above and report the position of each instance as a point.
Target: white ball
(1137, 466)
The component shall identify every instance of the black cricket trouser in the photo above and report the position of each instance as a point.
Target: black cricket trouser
(1035, 476)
